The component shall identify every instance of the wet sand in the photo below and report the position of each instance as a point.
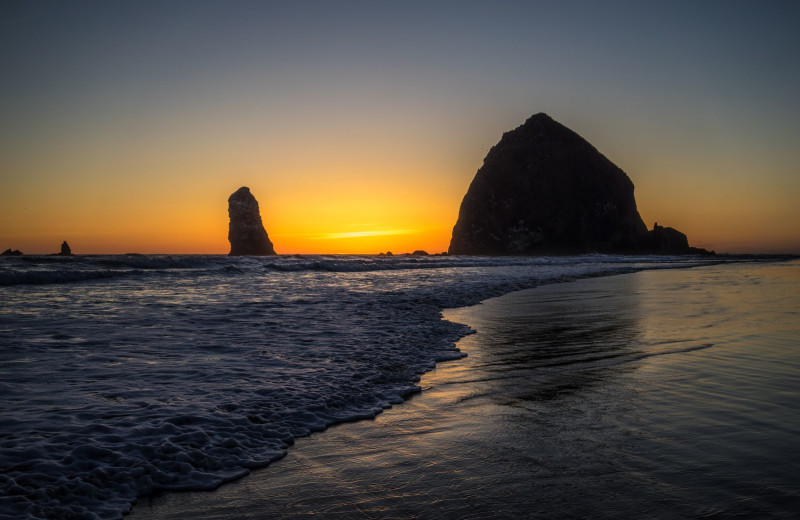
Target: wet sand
(633, 396)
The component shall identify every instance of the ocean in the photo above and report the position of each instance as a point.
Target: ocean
(126, 376)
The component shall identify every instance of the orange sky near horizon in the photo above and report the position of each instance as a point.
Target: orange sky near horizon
(359, 128)
(317, 199)
(394, 203)
(375, 217)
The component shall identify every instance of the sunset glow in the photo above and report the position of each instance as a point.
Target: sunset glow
(359, 130)
(359, 234)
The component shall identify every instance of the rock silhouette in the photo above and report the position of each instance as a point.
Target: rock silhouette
(11, 252)
(543, 189)
(666, 240)
(65, 250)
(246, 232)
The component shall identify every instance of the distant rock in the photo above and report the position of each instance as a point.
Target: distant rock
(65, 250)
(419, 252)
(543, 189)
(665, 239)
(11, 252)
(668, 241)
(246, 232)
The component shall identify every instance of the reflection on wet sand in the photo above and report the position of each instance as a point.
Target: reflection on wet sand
(634, 396)
(544, 343)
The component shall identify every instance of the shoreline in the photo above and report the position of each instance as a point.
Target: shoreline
(351, 456)
(507, 432)
(164, 497)
(304, 336)
(225, 501)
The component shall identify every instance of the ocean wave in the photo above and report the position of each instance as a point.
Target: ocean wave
(33, 270)
(189, 371)
(41, 277)
(36, 270)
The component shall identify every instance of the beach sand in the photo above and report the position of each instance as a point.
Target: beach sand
(633, 396)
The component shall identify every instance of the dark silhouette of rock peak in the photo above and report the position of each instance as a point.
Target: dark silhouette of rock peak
(65, 249)
(246, 232)
(543, 189)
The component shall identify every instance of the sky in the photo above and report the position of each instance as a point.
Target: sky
(358, 126)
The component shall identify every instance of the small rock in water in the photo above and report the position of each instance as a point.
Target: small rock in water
(246, 232)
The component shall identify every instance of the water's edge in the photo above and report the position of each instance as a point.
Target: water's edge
(149, 504)
(184, 373)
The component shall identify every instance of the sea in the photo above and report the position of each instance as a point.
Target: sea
(123, 377)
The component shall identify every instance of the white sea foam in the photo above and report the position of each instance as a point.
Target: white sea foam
(125, 375)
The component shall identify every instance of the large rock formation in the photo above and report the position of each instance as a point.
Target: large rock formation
(65, 249)
(246, 233)
(543, 189)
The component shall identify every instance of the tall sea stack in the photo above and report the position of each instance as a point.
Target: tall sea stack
(543, 189)
(246, 233)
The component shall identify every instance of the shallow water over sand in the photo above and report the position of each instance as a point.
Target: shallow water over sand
(124, 376)
(660, 394)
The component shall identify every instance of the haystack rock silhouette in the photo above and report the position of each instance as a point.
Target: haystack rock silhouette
(543, 189)
(246, 232)
(65, 249)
